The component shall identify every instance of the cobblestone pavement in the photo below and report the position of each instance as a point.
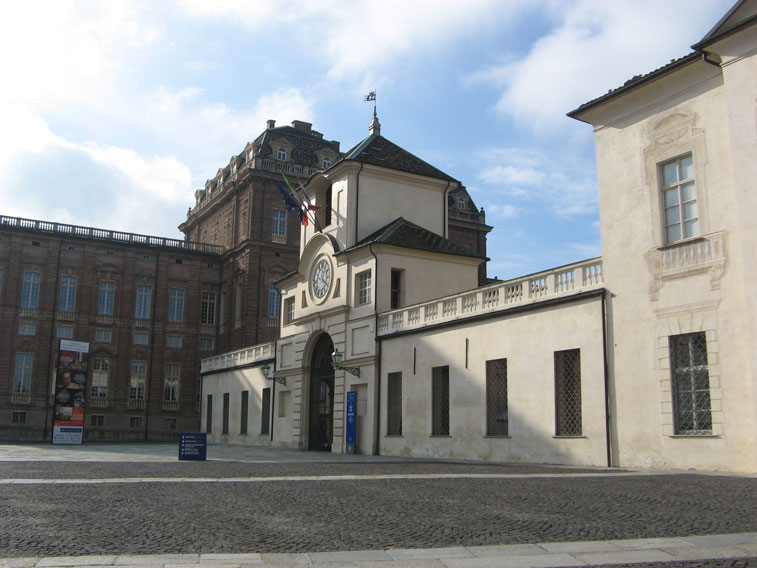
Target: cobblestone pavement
(73, 508)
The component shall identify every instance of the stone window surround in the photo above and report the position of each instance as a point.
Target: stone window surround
(677, 320)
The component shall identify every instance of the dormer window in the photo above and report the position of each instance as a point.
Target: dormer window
(326, 163)
(281, 155)
(234, 168)
(461, 204)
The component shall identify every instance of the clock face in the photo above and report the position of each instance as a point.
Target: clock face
(321, 278)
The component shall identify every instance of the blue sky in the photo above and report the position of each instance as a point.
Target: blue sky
(113, 113)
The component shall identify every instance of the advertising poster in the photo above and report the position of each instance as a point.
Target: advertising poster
(70, 391)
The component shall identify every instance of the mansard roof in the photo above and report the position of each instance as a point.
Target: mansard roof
(403, 233)
(305, 142)
(379, 151)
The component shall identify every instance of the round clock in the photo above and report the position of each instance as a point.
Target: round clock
(321, 278)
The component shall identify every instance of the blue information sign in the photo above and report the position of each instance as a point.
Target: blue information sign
(193, 446)
(351, 420)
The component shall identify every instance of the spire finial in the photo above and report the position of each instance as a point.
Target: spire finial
(375, 126)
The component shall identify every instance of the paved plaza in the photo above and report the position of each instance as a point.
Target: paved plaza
(136, 504)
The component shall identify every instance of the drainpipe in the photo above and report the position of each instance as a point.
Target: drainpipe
(53, 367)
(445, 210)
(357, 199)
(377, 420)
(273, 386)
(704, 58)
(608, 433)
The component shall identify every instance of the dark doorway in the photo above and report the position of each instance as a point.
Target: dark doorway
(321, 422)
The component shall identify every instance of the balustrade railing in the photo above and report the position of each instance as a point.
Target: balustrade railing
(238, 358)
(564, 280)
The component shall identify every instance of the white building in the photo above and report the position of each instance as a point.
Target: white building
(646, 357)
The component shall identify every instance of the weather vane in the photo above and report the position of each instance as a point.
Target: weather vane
(372, 97)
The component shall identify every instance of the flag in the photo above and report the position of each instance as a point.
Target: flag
(371, 96)
(291, 205)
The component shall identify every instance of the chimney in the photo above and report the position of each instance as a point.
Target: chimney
(302, 126)
(270, 123)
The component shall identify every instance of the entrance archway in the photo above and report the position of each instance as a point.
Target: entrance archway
(321, 415)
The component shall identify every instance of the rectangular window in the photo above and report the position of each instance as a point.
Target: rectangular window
(265, 411)
(171, 385)
(274, 301)
(30, 291)
(27, 328)
(568, 393)
(238, 306)
(141, 338)
(176, 305)
(97, 420)
(243, 412)
(289, 310)
(225, 417)
(169, 423)
(496, 398)
(105, 297)
(135, 422)
(394, 404)
(67, 297)
(100, 379)
(396, 288)
(208, 308)
(103, 335)
(279, 226)
(206, 344)
(690, 378)
(1, 279)
(363, 288)
(329, 199)
(137, 380)
(142, 305)
(173, 341)
(679, 196)
(64, 331)
(440, 401)
(19, 417)
(209, 415)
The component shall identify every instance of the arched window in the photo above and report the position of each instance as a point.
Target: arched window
(282, 154)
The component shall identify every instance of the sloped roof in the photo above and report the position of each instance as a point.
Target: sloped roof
(403, 233)
(305, 143)
(742, 14)
(378, 151)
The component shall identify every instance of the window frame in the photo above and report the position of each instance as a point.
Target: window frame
(106, 294)
(23, 368)
(143, 301)
(137, 380)
(30, 289)
(496, 399)
(67, 293)
(176, 305)
(363, 286)
(394, 404)
(677, 368)
(172, 382)
(440, 401)
(279, 226)
(208, 307)
(681, 204)
(568, 395)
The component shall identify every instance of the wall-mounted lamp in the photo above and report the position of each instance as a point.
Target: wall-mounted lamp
(336, 362)
(266, 373)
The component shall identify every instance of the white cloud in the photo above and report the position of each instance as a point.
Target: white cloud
(504, 211)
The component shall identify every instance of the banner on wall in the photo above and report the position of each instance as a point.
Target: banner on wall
(70, 392)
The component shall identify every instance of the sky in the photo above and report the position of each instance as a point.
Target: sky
(114, 113)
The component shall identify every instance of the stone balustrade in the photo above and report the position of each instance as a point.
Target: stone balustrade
(562, 281)
(239, 358)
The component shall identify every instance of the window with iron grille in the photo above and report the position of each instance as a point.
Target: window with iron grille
(67, 298)
(243, 412)
(568, 393)
(97, 420)
(22, 373)
(19, 417)
(176, 305)
(171, 385)
(135, 422)
(105, 296)
(394, 404)
(137, 380)
(440, 401)
(496, 398)
(30, 291)
(690, 378)
(208, 308)
(169, 423)
(225, 416)
(265, 420)
(142, 304)
(363, 288)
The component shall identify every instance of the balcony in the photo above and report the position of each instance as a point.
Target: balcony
(27, 313)
(143, 323)
(555, 283)
(175, 326)
(65, 315)
(97, 402)
(170, 405)
(104, 319)
(136, 403)
(208, 329)
(21, 398)
(238, 358)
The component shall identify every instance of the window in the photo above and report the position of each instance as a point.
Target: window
(135, 422)
(440, 401)
(141, 338)
(169, 423)
(279, 226)
(142, 305)
(207, 344)
(225, 417)
(137, 380)
(326, 163)
(289, 310)
(265, 419)
(176, 305)
(496, 398)
(100, 379)
(274, 303)
(690, 378)
(568, 393)
(30, 291)
(394, 404)
(173, 341)
(329, 199)
(243, 412)
(679, 195)
(105, 297)
(97, 420)
(103, 335)
(22, 373)
(281, 155)
(208, 308)
(363, 288)
(396, 288)
(171, 385)
(209, 415)
(67, 298)
(19, 417)
(64, 331)
(27, 328)
(461, 204)
(238, 305)
(1, 278)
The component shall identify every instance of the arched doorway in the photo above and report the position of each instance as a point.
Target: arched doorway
(321, 415)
